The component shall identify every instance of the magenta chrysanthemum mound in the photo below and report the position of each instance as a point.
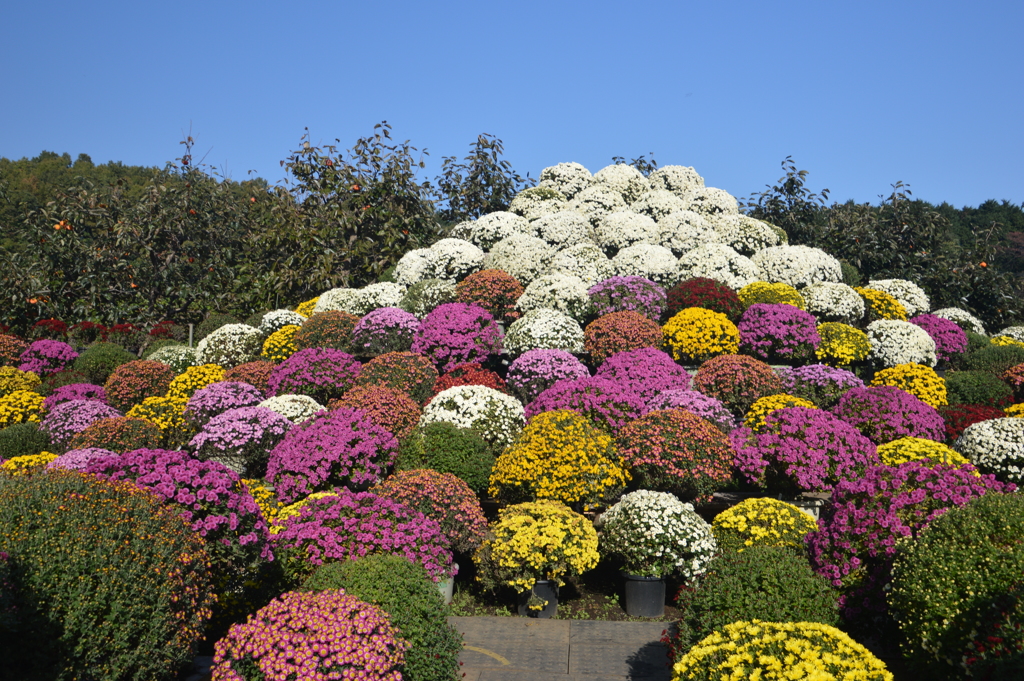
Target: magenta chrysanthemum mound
(604, 401)
(884, 413)
(819, 383)
(457, 333)
(75, 391)
(217, 398)
(67, 419)
(79, 459)
(320, 373)
(386, 329)
(632, 293)
(647, 371)
(535, 371)
(950, 339)
(333, 449)
(778, 332)
(241, 438)
(45, 357)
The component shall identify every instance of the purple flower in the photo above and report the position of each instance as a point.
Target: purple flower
(776, 331)
(218, 398)
(535, 371)
(604, 401)
(819, 383)
(696, 403)
(884, 413)
(386, 329)
(75, 391)
(949, 338)
(67, 419)
(80, 459)
(636, 294)
(45, 357)
(457, 333)
(646, 371)
(241, 438)
(320, 373)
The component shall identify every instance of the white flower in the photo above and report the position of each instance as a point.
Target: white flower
(544, 329)
(831, 302)
(344, 299)
(230, 345)
(424, 296)
(596, 201)
(568, 178)
(963, 317)
(711, 201)
(651, 262)
(995, 446)
(564, 228)
(585, 260)
(682, 231)
(537, 202)
(721, 263)
(491, 228)
(496, 416)
(563, 292)
(680, 180)
(625, 228)
(523, 256)
(797, 266)
(178, 357)
(658, 203)
(1014, 332)
(624, 179)
(373, 296)
(894, 342)
(911, 296)
(410, 268)
(276, 320)
(295, 408)
(454, 259)
(747, 235)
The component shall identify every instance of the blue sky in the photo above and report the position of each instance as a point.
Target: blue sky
(860, 94)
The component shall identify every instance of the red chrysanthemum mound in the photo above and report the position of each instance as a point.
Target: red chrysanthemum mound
(957, 417)
(494, 290)
(132, 382)
(413, 374)
(391, 409)
(470, 373)
(737, 381)
(254, 373)
(618, 332)
(119, 434)
(706, 293)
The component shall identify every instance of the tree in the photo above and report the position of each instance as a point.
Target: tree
(480, 184)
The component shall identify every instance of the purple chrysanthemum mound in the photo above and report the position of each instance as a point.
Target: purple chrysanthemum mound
(950, 339)
(241, 438)
(819, 383)
(884, 413)
(856, 540)
(343, 447)
(699, 404)
(75, 391)
(320, 373)
(647, 371)
(217, 398)
(632, 293)
(79, 459)
(802, 450)
(386, 329)
(348, 525)
(778, 332)
(44, 357)
(67, 419)
(457, 333)
(535, 371)
(607, 403)
(209, 496)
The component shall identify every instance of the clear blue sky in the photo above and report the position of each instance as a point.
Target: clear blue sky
(860, 94)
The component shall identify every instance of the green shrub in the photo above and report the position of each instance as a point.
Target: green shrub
(109, 582)
(946, 583)
(977, 387)
(22, 439)
(446, 448)
(255, 319)
(330, 329)
(159, 344)
(851, 275)
(768, 583)
(213, 321)
(993, 358)
(59, 380)
(403, 590)
(99, 360)
(425, 295)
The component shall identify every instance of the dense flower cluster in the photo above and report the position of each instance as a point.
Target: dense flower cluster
(74, 391)
(917, 449)
(79, 459)
(386, 329)
(118, 434)
(470, 374)
(494, 290)
(167, 414)
(632, 293)
(619, 331)
(737, 381)
(754, 419)
(295, 408)
(27, 464)
(721, 263)
(584, 260)
(275, 320)
(178, 357)
(241, 438)
(778, 332)
(133, 382)
(911, 296)
(881, 305)
(965, 320)
(230, 345)
(606, 402)
(535, 371)
(996, 447)
(697, 403)
(425, 295)
(497, 417)
(217, 398)
(320, 373)
(821, 384)
(280, 344)
(798, 266)
(186, 384)
(696, 334)
(950, 339)
(920, 381)
(456, 333)
(764, 292)
(489, 229)
(894, 342)
(66, 419)
(650, 262)
(958, 416)
(832, 302)
(762, 521)
(884, 413)
(11, 348)
(544, 329)
(842, 345)
(391, 409)
(563, 292)
(45, 357)
(329, 329)
(646, 371)
(624, 228)
(523, 256)
(413, 374)
(12, 379)
(706, 293)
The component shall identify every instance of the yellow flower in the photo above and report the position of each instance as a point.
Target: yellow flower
(916, 379)
(917, 449)
(842, 344)
(168, 414)
(306, 309)
(280, 345)
(1015, 410)
(696, 334)
(881, 305)
(1005, 340)
(763, 292)
(284, 512)
(186, 384)
(29, 463)
(762, 522)
(766, 405)
(12, 379)
(20, 406)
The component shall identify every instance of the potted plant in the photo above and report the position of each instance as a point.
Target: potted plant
(656, 535)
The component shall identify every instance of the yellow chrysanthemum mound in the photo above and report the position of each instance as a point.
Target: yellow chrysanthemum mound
(536, 540)
(186, 384)
(168, 414)
(29, 463)
(696, 334)
(12, 379)
(842, 344)
(782, 651)
(1015, 410)
(916, 379)
(762, 522)
(764, 292)
(20, 406)
(306, 309)
(285, 512)
(766, 405)
(881, 305)
(559, 455)
(280, 345)
(1005, 340)
(264, 497)
(917, 449)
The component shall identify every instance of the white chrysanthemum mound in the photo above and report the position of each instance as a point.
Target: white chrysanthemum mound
(658, 203)
(995, 446)
(798, 266)
(544, 329)
(373, 296)
(412, 267)
(721, 263)
(497, 417)
(626, 180)
(961, 317)
(230, 345)
(586, 261)
(648, 261)
(596, 201)
(712, 201)
(564, 228)
(295, 408)
(537, 202)
(894, 342)
(562, 292)
(425, 295)
(276, 320)
(831, 302)
(911, 296)
(344, 299)
(680, 180)
(568, 178)
(178, 357)
(747, 235)
(1014, 332)
(491, 228)
(682, 231)
(625, 228)
(645, 520)
(454, 259)
(523, 256)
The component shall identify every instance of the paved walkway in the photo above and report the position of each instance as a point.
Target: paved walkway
(525, 649)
